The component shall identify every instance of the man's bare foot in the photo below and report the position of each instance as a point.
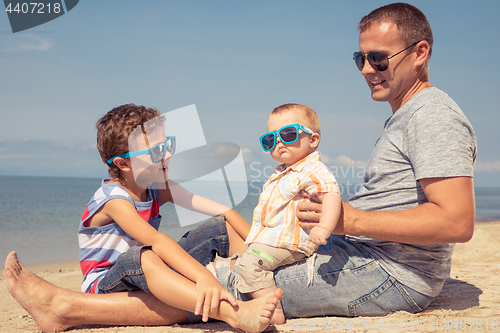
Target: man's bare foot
(256, 315)
(35, 295)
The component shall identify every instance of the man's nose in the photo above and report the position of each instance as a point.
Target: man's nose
(367, 68)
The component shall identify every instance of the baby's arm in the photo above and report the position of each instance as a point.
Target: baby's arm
(331, 205)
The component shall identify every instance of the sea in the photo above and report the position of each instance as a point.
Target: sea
(39, 216)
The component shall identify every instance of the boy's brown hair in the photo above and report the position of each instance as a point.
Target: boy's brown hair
(312, 119)
(114, 129)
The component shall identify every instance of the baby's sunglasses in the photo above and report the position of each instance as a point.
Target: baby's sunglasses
(288, 134)
(377, 60)
(157, 153)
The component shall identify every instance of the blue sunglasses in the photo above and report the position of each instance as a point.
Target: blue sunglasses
(288, 134)
(157, 153)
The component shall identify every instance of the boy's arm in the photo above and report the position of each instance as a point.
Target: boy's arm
(124, 213)
(239, 224)
(185, 199)
(331, 205)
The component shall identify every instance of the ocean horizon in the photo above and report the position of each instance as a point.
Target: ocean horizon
(39, 216)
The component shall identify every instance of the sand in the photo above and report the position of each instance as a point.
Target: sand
(470, 300)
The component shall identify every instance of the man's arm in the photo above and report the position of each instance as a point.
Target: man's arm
(448, 217)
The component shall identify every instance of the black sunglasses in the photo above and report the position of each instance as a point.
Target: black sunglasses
(377, 60)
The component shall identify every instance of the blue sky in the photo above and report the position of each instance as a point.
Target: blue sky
(235, 61)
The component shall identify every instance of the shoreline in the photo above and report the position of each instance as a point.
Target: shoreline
(469, 299)
(69, 264)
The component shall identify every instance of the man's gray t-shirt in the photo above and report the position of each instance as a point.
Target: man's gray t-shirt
(427, 137)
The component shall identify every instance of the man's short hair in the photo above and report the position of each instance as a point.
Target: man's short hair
(411, 22)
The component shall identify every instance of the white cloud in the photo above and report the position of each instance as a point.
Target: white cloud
(487, 166)
(341, 160)
(28, 43)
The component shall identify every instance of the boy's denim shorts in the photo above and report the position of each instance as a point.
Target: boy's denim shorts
(126, 274)
(202, 243)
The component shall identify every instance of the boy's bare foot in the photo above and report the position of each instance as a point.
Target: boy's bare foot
(35, 295)
(256, 315)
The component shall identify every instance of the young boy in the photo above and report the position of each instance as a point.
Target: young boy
(120, 246)
(276, 239)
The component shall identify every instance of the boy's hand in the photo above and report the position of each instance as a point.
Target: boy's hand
(210, 293)
(318, 235)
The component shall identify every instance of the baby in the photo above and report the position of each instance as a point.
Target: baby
(275, 238)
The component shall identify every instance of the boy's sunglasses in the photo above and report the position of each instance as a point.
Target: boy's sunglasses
(157, 153)
(377, 60)
(288, 134)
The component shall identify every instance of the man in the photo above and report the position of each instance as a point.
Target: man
(416, 201)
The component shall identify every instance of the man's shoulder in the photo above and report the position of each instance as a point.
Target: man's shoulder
(432, 98)
(434, 107)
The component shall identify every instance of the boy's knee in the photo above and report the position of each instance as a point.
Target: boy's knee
(148, 257)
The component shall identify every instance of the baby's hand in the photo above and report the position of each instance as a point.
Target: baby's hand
(318, 235)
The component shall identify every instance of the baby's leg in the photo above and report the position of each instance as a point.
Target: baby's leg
(279, 316)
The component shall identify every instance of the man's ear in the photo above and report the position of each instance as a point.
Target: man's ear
(422, 52)
(314, 140)
(122, 163)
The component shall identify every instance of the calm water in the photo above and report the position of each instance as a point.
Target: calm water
(39, 216)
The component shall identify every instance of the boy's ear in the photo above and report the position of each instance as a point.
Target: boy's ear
(122, 163)
(314, 140)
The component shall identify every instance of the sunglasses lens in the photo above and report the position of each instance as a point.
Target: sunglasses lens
(378, 60)
(288, 134)
(359, 59)
(158, 153)
(267, 142)
(171, 145)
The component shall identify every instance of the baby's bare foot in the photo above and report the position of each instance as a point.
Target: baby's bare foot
(256, 315)
(35, 295)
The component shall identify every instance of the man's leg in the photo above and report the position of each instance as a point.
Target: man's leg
(343, 281)
(55, 309)
(214, 236)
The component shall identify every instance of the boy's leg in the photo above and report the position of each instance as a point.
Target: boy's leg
(180, 292)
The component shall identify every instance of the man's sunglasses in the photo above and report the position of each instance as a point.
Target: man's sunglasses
(157, 153)
(377, 60)
(288, 134)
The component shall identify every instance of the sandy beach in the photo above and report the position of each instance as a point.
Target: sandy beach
(470, 299)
